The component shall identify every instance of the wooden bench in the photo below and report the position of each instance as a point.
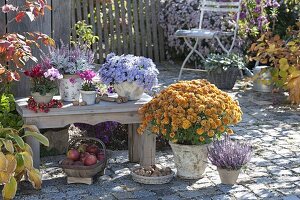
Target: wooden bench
(141, 147)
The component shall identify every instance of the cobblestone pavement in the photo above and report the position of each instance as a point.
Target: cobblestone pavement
(273, 173)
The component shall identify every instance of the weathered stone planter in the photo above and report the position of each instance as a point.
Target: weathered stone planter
(224, 79)
(88, 96)
(228, 176)
(69, 87)
(131, 90)
(42, 98)
(190, 160)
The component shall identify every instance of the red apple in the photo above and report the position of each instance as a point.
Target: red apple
(82, 148)
(73, 154)
(100, 156)
(90, 160)
(93, 149)
(83, 156)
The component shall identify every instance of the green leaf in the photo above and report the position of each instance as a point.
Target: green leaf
(20, 163)
(18, 140)
(28, 163)
(8, 145)
(10, 189)
(41, 138)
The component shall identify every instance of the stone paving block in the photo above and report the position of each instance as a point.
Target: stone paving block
(296, 170)
(244, 195)
(291, 197)
(289, 191)
(170, 197)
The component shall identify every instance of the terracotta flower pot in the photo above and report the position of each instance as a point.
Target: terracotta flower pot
(228, 176)
(88, 96)
(131, 90)
(190, 160)
(42, 98)
(69, 87)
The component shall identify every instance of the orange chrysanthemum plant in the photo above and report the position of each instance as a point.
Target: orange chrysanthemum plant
(190, 112)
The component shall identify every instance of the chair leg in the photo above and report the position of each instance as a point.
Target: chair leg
(187, 58)
(221, 45)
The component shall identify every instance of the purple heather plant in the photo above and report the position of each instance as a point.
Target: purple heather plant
(70, 60)
(118, 69)
(228, 154)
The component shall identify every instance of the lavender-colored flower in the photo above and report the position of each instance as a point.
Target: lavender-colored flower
(53, 74)
(227, 154)
(87, 75)
(118, 69)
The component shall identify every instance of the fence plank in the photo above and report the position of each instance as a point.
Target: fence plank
(160, 34)
(99, 31)
(111, 27)
(85, 11)
(61, 30)
(142, 27)
(105, 27)
(2, 19)
(117, 24)
(154, 24)
(130, 26)
(136, 28)
(149, 31)
(73, 20)
(125, 34)
(93, 23)
(78, 10)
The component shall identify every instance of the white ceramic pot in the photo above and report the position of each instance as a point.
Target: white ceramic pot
(131, 90)
(69, 87)
(258, 84)
(190, 160)
(42, 98)
(88, 96)
(228, 176)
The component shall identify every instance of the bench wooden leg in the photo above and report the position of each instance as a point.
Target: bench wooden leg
(147, 148)
(35, 146)
(133, 143)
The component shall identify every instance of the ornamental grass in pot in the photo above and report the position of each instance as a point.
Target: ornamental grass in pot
(88, 90)
(229, 157)
(223, 69)
(70, 61)
(130, 75)
(43, 82)
(190, 114)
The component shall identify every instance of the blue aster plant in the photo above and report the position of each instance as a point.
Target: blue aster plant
(118, 69)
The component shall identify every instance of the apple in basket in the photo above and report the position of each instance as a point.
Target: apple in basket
(90, 160)
(73, 154)
(93, 149)
(83, 156)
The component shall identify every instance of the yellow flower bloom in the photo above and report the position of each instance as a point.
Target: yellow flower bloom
(155, 129)
(172, 135)
(200, 131)
(229, 131)
(201, 139)
(186, 124)
(221, 129)
(210, 133)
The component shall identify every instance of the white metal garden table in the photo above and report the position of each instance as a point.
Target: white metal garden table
(141, 147)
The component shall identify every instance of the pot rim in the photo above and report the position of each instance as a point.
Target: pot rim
(47, 94)
(170, 142)
(88, 92)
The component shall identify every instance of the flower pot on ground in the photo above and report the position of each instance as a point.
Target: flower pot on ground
(229, 157)
(43, 79)
(190, 114)
(262, 79)
(223, 69)
(130, 75)
(70, 61)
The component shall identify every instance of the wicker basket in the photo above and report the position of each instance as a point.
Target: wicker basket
(85, 171)
(225, 79)
(152, 180)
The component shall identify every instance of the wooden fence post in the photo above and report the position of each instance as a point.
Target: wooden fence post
(2, 19)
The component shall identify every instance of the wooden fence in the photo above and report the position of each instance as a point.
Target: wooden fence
(123, 27)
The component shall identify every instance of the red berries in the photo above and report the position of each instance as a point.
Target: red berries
(43, 107)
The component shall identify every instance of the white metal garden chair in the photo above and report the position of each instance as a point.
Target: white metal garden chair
(199, 33)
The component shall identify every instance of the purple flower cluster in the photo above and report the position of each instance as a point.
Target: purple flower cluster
(87, 75)
(53, 74)
(227, 154)
(118, 69)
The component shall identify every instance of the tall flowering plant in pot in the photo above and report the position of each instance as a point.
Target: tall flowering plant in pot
(229, 157)
(70, 61)
(130, 75)
(88, 89)
(44, 85)
(190, 114)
